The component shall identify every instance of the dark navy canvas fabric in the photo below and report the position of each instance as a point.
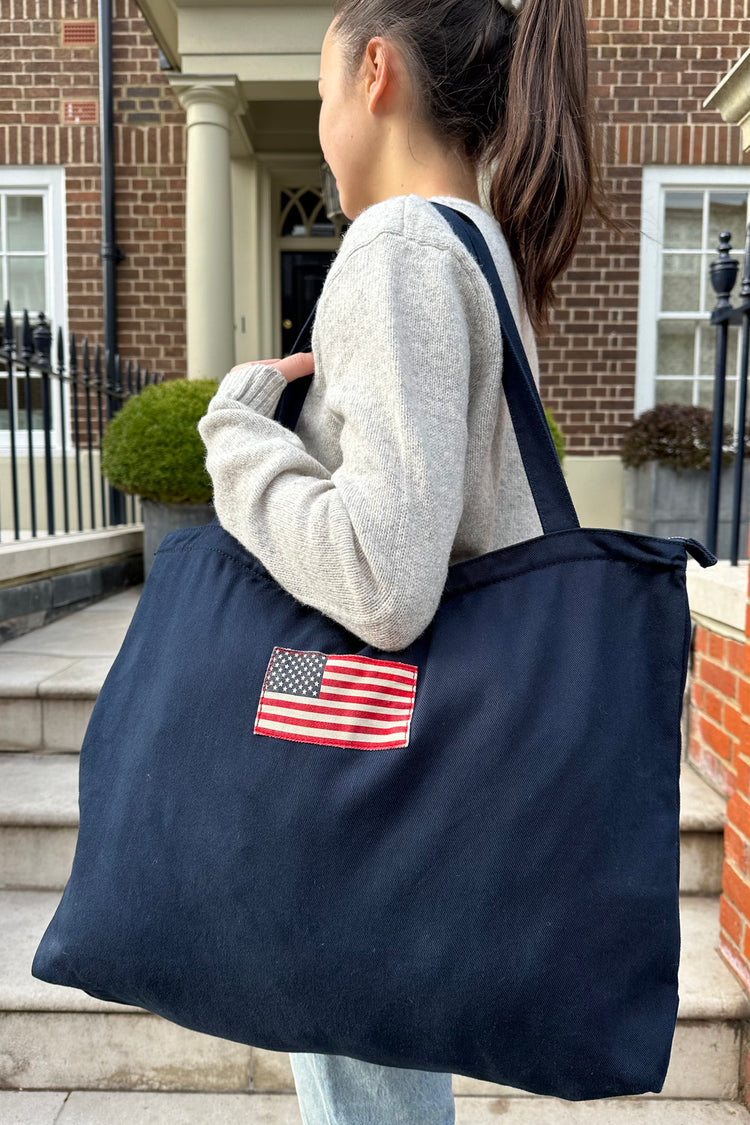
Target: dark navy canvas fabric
(498, 898)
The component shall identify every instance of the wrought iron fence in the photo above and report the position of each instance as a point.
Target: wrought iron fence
(724, 270)
(53, 416)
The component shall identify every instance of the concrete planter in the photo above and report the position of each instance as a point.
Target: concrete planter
(159, 518)
(658, 500)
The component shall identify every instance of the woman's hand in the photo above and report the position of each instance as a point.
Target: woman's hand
(291, 367)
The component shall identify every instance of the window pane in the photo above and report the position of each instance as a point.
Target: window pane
(675, 348)
(706, 397)
(707, 350)
(4, 425)
(683, 220)
(674, 390)
(25, 222)
(727, 211)
(37, 415)
(680, 286)
(26, 277)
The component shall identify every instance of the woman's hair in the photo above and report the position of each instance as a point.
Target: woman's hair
(509, 92)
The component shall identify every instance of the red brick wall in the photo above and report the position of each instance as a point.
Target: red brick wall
(719, 746)
(652, 63)
(149, 136)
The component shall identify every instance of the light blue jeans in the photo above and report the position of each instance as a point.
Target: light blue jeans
(337, 1090)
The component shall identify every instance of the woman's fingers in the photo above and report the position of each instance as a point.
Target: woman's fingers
(291, 367)
(296, 365)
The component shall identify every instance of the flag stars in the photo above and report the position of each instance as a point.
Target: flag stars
(296, 673)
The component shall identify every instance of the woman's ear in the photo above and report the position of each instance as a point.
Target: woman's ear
(381, 74)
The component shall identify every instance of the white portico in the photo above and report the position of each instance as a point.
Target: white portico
(258, 238)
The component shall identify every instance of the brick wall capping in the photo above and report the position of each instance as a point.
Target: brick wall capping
(24, 559)
(732, 97)
(718, 597)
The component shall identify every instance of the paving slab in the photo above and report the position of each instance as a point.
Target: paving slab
(91, 1108)
(608, 1111)
(31, 1107)
(126, 600)
(84, 1107)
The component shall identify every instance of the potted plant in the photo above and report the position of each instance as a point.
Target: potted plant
(557, 435)
(666, 453)
(152, 449)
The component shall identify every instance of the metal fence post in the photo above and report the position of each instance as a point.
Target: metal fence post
(739, 443)
(8, 352)
(42, 338)
(723, 271)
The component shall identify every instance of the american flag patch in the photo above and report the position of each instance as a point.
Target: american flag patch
(352, 701)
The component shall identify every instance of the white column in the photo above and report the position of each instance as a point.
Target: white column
(209, 286)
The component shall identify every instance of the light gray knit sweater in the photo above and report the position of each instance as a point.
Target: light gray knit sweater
(404, 459)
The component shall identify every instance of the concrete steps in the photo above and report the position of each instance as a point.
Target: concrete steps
(88, 1108)
(50, 678)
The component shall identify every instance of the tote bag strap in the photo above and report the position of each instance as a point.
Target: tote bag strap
(289, 405)
(548, 487)
(546, 481)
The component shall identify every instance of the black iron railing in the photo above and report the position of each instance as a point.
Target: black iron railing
(83, 393)
(724, 271)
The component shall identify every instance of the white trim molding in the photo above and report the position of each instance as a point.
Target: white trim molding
(48, 182)
(657, 181)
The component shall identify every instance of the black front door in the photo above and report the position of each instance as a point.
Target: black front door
(302, 275)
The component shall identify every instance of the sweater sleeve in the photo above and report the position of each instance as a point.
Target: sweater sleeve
(368, 544)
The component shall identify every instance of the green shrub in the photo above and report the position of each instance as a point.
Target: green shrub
(152, 447)
(674, 435)
(557, 435)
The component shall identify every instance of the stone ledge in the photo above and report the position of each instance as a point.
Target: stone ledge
(718, 597)
(38, 558)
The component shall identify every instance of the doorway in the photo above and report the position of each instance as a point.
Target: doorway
(302, 275)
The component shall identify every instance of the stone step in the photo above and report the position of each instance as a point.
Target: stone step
(39, 824)
(85, 1107)
(53, 1037)
(50, 677)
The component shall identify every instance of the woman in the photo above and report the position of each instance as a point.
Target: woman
(404, 460)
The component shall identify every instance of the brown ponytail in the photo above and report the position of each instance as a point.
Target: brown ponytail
(510, 92)
(545, 173)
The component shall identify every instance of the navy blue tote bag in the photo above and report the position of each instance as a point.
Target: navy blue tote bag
(461, 856)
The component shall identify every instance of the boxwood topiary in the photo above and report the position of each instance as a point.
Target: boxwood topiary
(675, 435)
(152, 447)
(557, 435)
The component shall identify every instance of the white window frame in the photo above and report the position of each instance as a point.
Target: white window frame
(47, 181)
(657, 180)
